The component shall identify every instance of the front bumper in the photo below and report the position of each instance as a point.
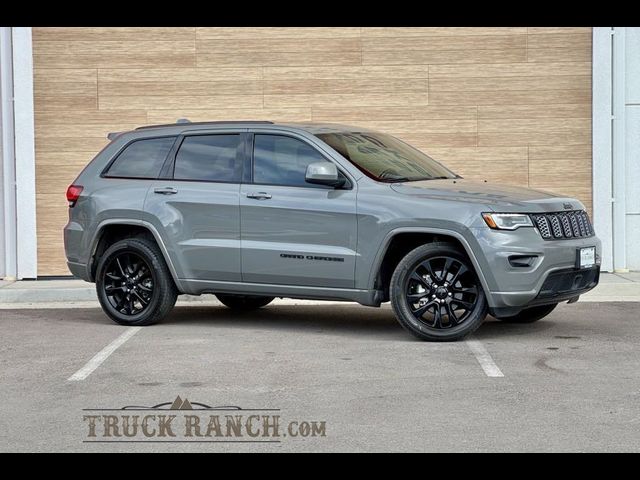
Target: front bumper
(551, 278)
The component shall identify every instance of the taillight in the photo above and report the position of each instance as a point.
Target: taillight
(73, 193)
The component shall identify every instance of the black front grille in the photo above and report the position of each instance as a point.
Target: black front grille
(563, 225)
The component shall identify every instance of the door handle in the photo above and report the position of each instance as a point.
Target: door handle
(166, 190)
(259, 195)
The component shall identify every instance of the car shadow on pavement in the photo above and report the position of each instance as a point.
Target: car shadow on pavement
(344, 319)
(333, 319)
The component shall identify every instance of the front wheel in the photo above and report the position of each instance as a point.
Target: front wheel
(530, 315)
(436, 294)
(244, 302)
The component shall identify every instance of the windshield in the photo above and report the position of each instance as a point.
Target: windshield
(385, 158)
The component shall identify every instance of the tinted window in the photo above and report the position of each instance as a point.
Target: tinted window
(211, 158)
(142, 158)
(385, 158)
(279, 160)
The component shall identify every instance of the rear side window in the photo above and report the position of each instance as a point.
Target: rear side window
(280, 160)
(142, 158)
(209, 158)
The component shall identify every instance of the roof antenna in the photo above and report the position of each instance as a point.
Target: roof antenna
(183, 120)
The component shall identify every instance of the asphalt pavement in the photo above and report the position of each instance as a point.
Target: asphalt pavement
(347, 377)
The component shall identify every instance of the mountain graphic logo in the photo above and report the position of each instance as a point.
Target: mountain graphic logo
(179, 404)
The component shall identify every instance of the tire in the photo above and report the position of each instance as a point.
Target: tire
(123, 288)
(244, 302)
(423, 295)
(530, 315)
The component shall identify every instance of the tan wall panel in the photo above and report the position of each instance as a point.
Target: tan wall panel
(341, 114)
(508, 105)
(130, 34)
(51, 215)
(270, 33)
(176, 88)
(553, 30)
(570, 110)
(506, 165)
(302, 114)
(510, 97)
(55, 178)
(53, 144)
(578, 54)
(439, 31)
(126, 102)
(137, 58)
(240, 46)
(115, 118)
(356, 85)
(462, 42)
(353, 100)
(500, 84)
(200, 74)
(511, 70)
(538, 131)
(346, 72)
(267, 58)
(403, 57)
(576, 41)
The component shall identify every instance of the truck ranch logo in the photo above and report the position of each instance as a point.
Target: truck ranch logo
(184, 421)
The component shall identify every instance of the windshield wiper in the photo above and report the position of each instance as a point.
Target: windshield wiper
(392, 177)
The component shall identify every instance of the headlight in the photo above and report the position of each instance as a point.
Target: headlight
(507, 221)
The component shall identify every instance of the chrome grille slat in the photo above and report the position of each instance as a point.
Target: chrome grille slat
(574, 226)
(563, 225)
(566, 227)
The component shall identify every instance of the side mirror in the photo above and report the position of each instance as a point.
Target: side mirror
(324, 173)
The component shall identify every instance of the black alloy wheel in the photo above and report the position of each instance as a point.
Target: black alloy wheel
(133, 283)
(436, 294)
(441, 292)
(128, 283)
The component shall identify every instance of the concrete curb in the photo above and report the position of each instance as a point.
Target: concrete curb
(71, 293)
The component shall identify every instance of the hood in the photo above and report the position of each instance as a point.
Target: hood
(505, 198)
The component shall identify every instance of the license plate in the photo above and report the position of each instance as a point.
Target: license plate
(586, 257)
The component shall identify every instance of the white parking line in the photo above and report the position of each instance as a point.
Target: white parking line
(484, 359)
(102, 355)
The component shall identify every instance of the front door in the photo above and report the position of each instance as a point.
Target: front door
(198, 210)
(293, 232)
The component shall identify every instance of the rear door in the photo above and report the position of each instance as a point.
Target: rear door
(196, 208)
(293, 232)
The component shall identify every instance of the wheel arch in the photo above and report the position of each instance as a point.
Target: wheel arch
(409, 238)
(126, 228)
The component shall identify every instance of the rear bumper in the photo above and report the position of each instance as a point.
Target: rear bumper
(79, 270)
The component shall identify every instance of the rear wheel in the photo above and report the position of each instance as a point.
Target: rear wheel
(530, 315)
(436, 294)
(133, 283)
(244, 302)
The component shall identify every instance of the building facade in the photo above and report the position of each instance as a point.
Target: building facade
(550, 108)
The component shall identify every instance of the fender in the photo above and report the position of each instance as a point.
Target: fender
(139, 223)
(481, 266)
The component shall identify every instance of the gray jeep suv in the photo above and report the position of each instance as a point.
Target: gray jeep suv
(250, 211)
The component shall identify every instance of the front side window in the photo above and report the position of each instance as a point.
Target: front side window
(281, 160)
(141, 159)
(385, 158)
(209, 158)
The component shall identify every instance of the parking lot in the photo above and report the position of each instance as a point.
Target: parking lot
(569, 382)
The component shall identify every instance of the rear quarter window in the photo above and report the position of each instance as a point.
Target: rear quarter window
(141, 159)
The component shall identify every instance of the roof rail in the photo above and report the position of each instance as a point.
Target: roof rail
(185, 121)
